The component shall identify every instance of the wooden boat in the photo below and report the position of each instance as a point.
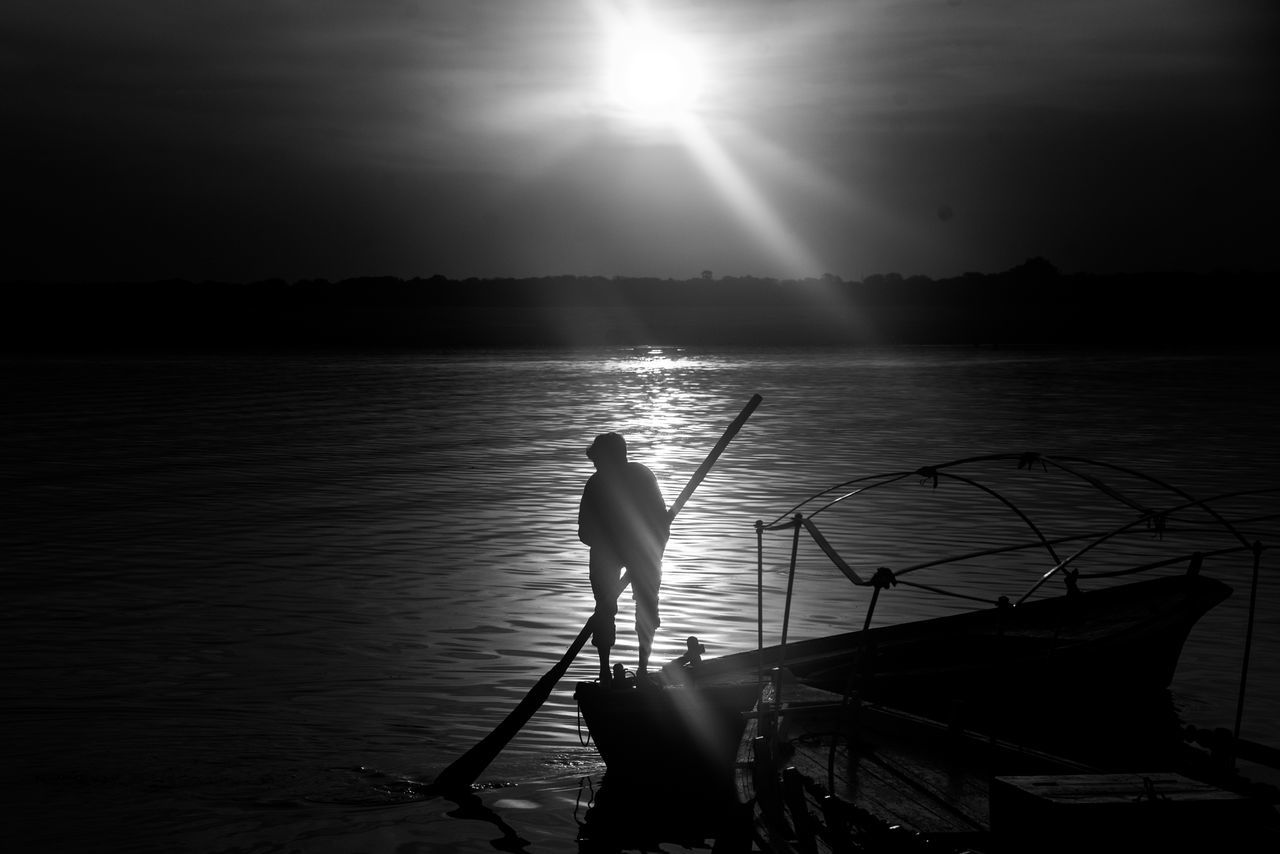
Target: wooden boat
(1076, 682)
(1051, 655)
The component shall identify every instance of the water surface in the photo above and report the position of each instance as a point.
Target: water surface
(252, 600)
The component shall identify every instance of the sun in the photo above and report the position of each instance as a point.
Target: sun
(653, 74)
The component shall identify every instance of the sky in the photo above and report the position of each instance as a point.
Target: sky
(240, 140)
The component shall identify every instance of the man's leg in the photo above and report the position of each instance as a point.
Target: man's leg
(605, 674)
(605, 573)
(644, 584)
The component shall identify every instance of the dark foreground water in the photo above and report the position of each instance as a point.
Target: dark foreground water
(252, 602)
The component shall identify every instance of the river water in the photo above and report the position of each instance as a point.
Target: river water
(253, 601)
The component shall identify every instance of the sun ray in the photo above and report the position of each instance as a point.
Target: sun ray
(746, 201)
(654, 76)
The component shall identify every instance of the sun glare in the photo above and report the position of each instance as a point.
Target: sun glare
(652, 74)
(660, 80)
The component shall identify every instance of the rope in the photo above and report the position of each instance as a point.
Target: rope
(588, 785)
(1006, 502)
(784, 520)
(942, 592)
(585, 742)
(1191, 502)
(1126, 528)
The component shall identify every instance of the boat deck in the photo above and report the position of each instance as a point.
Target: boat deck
(900, 782)
(909, 777)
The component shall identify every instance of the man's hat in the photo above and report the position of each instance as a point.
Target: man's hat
(608, 446)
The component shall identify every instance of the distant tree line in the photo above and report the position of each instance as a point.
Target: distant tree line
(1031, 304)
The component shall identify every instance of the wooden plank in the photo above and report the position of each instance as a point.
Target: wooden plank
(893, 790)
(904, 769)
(1118, 812)
(1086, 790)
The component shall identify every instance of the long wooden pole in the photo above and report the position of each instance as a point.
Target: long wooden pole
(466, 768)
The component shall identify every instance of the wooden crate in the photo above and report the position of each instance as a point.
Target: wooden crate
(1116, 812)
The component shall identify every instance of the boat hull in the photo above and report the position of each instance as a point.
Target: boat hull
(1065, 659)
(675, 736)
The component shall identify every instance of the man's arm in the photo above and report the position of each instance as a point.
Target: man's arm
(588, 524)
(656, 510)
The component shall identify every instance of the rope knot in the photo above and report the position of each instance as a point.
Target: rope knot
(883, 578)
(928, 473)
(1071, 578)
(1029, 459)
(1149, 792)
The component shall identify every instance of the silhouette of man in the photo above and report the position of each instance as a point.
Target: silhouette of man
(623, 518)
